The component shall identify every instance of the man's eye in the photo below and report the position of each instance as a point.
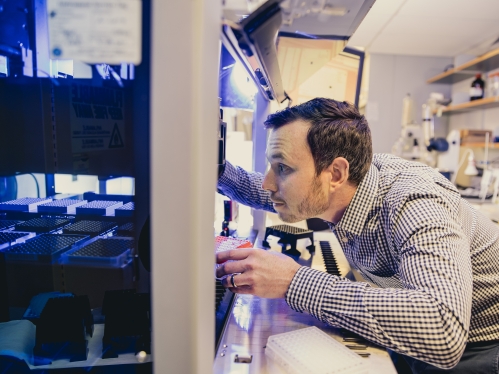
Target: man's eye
(282, 168)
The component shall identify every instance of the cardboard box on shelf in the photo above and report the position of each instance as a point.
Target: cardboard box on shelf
(475, 136)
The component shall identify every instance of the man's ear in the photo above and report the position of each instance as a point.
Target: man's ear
(339, 171)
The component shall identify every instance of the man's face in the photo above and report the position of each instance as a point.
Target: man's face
(296, 191)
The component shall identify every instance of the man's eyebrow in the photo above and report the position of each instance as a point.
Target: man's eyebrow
(276, 156)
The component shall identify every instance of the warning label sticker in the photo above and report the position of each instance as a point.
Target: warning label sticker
(97, 121)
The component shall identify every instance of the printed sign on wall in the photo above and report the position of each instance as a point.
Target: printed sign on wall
(97, 119)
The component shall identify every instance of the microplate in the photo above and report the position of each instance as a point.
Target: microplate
(311, 351)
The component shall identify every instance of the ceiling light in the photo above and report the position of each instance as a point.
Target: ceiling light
(332, 10)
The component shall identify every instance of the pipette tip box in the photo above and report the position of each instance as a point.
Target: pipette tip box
(67, 206)
(99, 208)
(126, 210)
(26, 204)
(110, 252)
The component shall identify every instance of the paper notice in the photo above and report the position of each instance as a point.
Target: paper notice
(95, 31)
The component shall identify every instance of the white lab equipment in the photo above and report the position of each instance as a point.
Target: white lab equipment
(484, 183)
(448, 161)
(417, 141)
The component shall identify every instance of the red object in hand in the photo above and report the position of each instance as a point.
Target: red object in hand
(223, 243)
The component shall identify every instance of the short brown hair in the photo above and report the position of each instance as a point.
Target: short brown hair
(337, 130)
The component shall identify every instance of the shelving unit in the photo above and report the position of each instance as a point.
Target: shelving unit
(488, 102)
(486, 62)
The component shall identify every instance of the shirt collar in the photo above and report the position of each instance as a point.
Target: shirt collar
(355, 216)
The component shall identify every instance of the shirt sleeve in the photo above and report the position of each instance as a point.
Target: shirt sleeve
(429, 317)
(244, 187)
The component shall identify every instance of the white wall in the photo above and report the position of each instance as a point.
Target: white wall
(391, 77)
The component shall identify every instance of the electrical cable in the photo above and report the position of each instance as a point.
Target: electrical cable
(16, 189)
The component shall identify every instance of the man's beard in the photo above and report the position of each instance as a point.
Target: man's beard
(313, 205)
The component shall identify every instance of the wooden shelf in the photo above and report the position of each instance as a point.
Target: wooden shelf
(488, 102)
(480, 145)
(486, 62)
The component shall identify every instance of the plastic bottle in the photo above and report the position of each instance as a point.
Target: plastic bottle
(477, 88)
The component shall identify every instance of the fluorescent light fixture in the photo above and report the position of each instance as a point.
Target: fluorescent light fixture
(332, 10)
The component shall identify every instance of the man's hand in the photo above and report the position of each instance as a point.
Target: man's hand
(258, 272)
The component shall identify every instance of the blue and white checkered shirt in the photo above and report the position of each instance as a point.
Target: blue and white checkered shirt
(408, 231)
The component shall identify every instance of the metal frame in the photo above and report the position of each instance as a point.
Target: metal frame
(303, 35)
(362, 56)
(253, 39)
(262, 110)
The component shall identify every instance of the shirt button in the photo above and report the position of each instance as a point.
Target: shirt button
(344, 239)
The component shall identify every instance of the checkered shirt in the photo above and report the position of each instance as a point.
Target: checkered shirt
(433, 256)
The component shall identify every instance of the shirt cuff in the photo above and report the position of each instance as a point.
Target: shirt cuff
(306, 291)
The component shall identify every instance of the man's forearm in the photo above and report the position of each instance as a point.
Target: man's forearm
(244, 187)
(407, 321)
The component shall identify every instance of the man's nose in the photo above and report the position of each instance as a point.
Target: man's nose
(269, 183)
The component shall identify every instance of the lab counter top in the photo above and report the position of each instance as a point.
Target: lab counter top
(254, 319)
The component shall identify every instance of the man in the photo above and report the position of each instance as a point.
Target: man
(400, 223)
